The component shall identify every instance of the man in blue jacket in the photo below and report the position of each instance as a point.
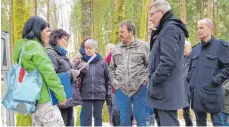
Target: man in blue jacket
(166, 87)
(209, 68)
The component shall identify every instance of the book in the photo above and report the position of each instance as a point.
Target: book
(66, 82)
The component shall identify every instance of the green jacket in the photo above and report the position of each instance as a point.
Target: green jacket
(35, 55)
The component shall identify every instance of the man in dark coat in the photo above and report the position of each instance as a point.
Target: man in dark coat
(209, 68)
(166, 86)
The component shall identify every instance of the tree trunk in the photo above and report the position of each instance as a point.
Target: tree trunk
(150, 25)
(33, 8)
(143, 22)
(11, 26)
(86, 17)
(217, 19)
(21, 13)
(183, 11)
(210, 9)
(48, 11)
(119, 16)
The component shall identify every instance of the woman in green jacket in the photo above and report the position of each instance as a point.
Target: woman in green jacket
(35, 35)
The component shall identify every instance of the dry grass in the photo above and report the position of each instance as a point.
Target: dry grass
(180, 115)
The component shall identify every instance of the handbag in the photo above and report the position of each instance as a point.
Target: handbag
(23, 89)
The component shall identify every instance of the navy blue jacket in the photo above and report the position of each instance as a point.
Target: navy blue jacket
(96, 81)
(166, 61)
(209, 68)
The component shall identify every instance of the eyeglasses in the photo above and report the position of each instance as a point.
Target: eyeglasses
(66, 39)
(151, 14)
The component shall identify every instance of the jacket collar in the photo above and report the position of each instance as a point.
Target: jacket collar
(132, 44)
(206, 44)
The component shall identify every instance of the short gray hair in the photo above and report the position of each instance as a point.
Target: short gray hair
(130, 26)
(208, 21)
(92, 42)
(161, 5)
(187, 43)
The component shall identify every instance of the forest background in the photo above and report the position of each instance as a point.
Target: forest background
(99, 18)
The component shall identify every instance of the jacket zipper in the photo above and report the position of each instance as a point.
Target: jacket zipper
(92, 82)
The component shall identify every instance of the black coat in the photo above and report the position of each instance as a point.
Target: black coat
(62, 64)
(209, 68)
(166, 61)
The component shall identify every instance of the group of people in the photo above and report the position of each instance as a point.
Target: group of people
(136, 78)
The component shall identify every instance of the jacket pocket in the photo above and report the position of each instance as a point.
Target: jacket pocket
(209, 95)
(118, 58)
(136, 57)
(194, 61)
(152, 62)
(156, 91)
(211, 61)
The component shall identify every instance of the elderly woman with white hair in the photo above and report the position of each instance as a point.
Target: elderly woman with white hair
(96, 82)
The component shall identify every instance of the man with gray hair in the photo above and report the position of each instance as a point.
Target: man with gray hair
(130, 75)
(209, 68)
(166, 92)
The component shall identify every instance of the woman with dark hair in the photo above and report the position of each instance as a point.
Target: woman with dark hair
(57, 51)
(35, 35)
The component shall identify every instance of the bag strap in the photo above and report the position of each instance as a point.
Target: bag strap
(21, 54)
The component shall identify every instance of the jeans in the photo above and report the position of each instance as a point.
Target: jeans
(150, 117)
(139, 105)
(225, 117)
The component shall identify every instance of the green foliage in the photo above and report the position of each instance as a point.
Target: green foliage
(4, 16)
(105, 114)
(77, 115)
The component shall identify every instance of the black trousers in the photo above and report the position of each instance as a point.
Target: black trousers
(201, 118)
(89, 108)
(187, 117)
(166, 117)
(67, 115)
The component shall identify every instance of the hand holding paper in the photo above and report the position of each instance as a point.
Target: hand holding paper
(88, 62)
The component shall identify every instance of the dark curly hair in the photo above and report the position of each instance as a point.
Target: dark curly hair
(57, 34)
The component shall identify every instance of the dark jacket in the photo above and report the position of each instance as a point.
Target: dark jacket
(226, 86)
(62, 64)
(185, 75)
(166, 61)
(96, 81)
(209, 68)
